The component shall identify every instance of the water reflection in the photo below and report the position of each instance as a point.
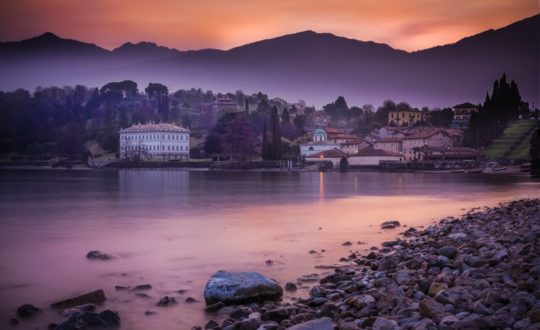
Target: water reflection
(174, 228)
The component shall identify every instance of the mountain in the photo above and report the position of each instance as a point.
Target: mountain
(144, 51)
(316, 67)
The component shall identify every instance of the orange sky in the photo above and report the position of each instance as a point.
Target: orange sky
(194, 24)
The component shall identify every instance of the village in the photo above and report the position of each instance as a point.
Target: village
(409, 140)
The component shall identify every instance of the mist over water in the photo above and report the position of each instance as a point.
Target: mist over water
(173, 229)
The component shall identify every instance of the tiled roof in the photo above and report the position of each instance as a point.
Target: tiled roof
(161, 127)
(332, 153)
(389, 140)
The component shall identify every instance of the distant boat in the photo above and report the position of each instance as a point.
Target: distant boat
(494, 167)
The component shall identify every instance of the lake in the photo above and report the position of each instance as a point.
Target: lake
(173, 229)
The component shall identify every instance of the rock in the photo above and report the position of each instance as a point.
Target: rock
(142, 295)
(13, 321)
(289, 286)
(141, 287)
(278, 314)
(214, 307)
(432, 309)
(98, 255)
(190, 300)
(382, 323)
(457, 236)
(448, 251)
(94, 297)
(27, 310)
(449, 320)
(269, 262)
(347, 243)
(324, 323)
(166, 301)
(434, 288)
(235, 288)
(83, 320)
(402, 277)
(150, 312)
(390, 224)
(211, 325)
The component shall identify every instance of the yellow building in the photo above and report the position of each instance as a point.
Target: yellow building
(404, 117)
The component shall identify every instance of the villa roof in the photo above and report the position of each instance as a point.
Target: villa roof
(161, 127)
(425, 134)
(332, 153)
(466, 105)
(389, 140)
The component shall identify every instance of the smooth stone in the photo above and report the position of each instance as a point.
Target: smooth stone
(241, 287)
(382, 323)
(289, 286)
(84, 320)
(448, 251)
(94, 297)
(98, 255)
(27, 310)
(324, 323)
(166, 301)
(390, 224)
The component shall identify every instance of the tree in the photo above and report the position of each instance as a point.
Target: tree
(276, 136)
(503, 106)
(285, 117)
(381, 116)
(212, 145)
(155, 89)
(186, 121)
(265, 151)
(239, 139)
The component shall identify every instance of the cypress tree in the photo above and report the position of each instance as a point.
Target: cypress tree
(276, 135)
(264, 148)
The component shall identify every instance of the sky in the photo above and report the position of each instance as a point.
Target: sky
(194, 24)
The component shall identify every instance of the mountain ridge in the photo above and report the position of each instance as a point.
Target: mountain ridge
(307, 64)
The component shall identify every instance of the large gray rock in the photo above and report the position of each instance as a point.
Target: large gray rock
(324, 323)
(235, 288)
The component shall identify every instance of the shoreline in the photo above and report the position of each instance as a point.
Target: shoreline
(481, 270)
(370, 273)
(513, 172)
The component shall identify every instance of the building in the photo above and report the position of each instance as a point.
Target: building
(448, 154)
(154, 141)
(405, 118)
(462, 115)
(333, 155)
(320, 143)
(373, 157)
(429, 137)
(394, 145)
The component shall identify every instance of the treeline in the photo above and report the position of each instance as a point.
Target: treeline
(499, 109)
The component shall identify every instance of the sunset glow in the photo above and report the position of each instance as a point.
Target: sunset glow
(409, 25)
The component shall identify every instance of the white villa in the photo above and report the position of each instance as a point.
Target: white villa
(154, 141)
(320, 143)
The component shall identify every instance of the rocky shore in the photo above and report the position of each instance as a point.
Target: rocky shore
(480, 271)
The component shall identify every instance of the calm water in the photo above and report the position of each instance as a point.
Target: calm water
(173, 229)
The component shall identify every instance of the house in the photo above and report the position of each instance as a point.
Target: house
(320, 143)
(462, 115)
(388, 132)
(154, 141)
(405, 118)
(333, 155)
(373, 157)
(392, 145)
(427, 137)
